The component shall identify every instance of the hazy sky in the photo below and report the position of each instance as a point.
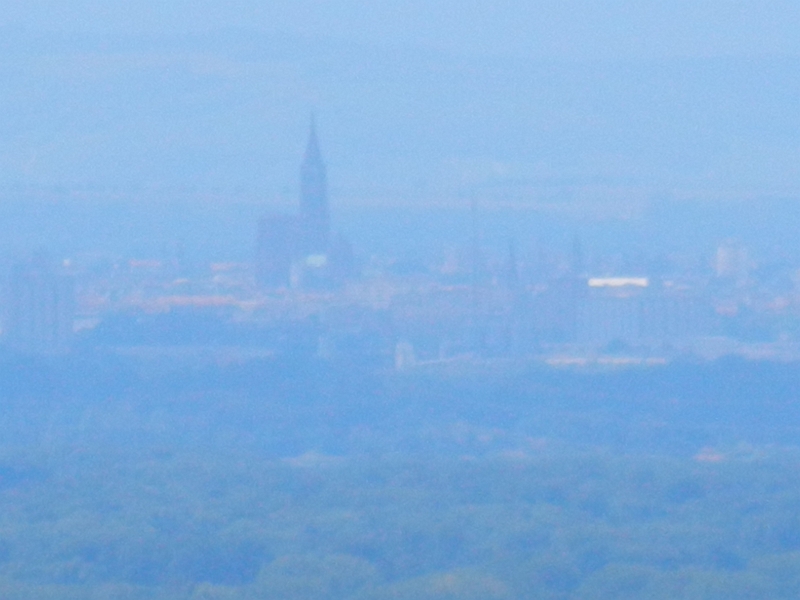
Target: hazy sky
(550, 28)
(412, 96)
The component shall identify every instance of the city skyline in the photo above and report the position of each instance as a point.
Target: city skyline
(399, 300)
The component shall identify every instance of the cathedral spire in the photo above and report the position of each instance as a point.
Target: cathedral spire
(313, 156)
(314, 194)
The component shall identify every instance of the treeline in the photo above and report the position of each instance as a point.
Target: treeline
(162, 476)
(283, 406)
(536, 524)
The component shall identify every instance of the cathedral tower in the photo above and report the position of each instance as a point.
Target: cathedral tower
(297, 249)
(314, 197)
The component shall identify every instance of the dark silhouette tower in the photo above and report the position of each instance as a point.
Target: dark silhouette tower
(314, 197)
(297, 250)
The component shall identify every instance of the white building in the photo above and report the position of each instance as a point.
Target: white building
(633, 311)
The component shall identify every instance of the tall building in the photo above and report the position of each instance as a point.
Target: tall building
(294, 248)
(40, 308)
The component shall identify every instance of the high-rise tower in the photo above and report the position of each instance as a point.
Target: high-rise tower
(314, 197)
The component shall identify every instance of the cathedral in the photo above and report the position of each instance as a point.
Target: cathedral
(296, 250)
(314, 197)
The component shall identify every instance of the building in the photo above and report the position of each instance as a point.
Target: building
(293, 249)
(612, 310)
(635, 311)
(314, 213)
(278, 248)
(556, 308)
(40, 308)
